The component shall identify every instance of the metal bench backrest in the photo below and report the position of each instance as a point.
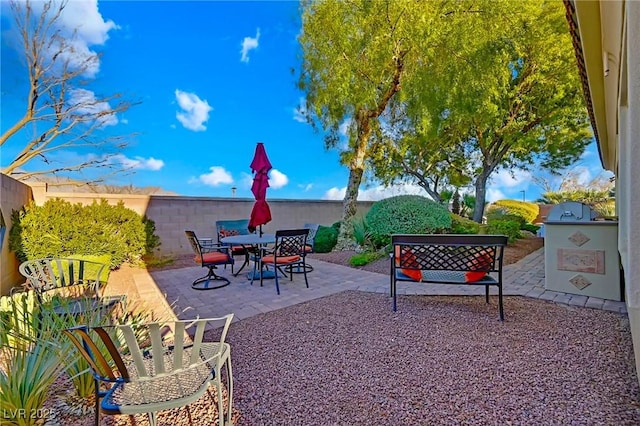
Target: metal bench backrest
(449, 252)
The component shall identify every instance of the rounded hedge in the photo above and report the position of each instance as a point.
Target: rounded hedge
(405, 214)
(527, 211)
(326, 238)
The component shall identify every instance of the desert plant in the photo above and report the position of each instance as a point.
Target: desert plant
(30, 360)
(405, 214)
(361, 232)
(605, 208)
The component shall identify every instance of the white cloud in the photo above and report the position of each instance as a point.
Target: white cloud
(582, 175)
(299, 113)
(217, 176)
(140, 163)
(277, 179)
(249, 43)
(344, 127)
(376, 193)
(246, 180)
(195, 111)
(84, 102)
(504, 178)
(494, 195)
(81, 25)
(306, 188)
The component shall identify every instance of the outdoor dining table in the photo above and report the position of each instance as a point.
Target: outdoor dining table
(248, 241)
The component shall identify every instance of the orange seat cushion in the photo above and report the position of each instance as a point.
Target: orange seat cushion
(407, 258)
(228, 232)
(283, 259)
(308, 249)
(213, 257)
(477, 270)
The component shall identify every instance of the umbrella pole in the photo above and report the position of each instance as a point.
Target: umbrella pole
(260, 231)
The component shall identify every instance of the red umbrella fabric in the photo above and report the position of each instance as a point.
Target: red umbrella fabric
(260, 214)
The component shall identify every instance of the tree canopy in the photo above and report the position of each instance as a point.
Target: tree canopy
(358, 56)
(506, 96)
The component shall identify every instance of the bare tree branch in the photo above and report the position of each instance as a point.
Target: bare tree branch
(61, 113)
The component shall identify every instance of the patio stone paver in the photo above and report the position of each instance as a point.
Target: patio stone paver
(162, 289)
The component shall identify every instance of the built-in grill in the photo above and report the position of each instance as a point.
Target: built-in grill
(581, 252)
(571, 211)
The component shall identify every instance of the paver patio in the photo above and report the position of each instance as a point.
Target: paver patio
(172, 288)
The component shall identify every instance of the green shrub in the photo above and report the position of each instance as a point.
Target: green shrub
(462, 225)
(61, 229)
(326, 238)
(500, 214)
(366, 257)
(527, 211)
(529, 227)
(510, 228)
(405, 214)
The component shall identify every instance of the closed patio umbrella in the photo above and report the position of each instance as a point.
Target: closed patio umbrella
(260, 166)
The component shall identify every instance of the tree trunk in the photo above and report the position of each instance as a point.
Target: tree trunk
(356, 171)
(481, 194)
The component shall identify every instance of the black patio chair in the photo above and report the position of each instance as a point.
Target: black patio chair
(288, 253)
(209, 255)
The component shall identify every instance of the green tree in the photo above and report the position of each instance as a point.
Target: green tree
(358, 55)
(508, 97)
(60, 112)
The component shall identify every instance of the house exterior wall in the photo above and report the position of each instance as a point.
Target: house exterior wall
(628, 161)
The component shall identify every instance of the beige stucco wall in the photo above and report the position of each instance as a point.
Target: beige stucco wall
(628, 177)
(175, 214)
(13, 196)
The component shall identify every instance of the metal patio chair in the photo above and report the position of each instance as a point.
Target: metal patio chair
(288, 253)
(209, 255)
(156, 366)
(71, 286)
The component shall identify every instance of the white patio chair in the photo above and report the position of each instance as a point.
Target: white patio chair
(154, 366)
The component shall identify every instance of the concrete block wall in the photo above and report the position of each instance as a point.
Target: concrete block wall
(13, 196)
(175, 214)
(172, 215)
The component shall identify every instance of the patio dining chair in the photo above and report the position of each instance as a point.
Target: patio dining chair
(228, 228)
(288, 253)
(209, 255)
(156, 366)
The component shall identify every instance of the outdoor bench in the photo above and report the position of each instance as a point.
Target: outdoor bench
(448, 259)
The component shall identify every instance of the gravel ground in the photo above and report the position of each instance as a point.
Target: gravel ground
(347, 359)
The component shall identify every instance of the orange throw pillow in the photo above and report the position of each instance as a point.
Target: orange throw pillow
(408, 259)
(477, 270)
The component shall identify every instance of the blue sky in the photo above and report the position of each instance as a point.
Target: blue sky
(212, 79)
